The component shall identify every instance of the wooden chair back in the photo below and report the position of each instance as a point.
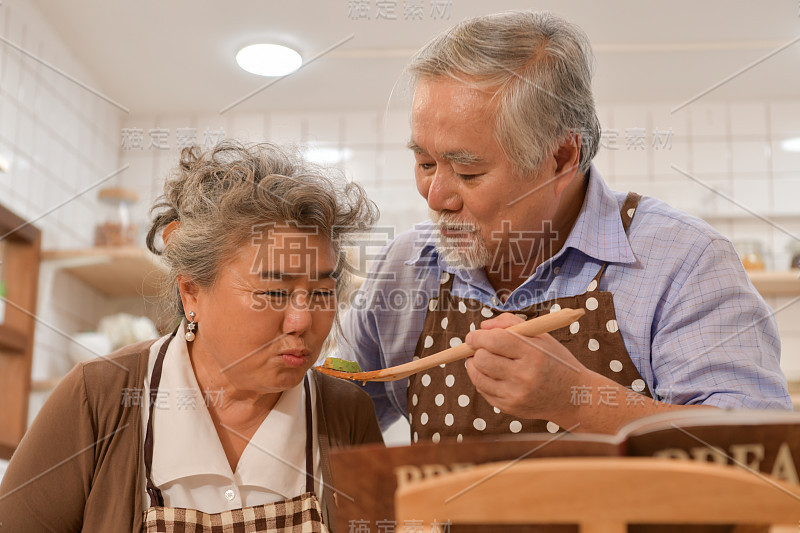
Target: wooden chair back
(601, 495)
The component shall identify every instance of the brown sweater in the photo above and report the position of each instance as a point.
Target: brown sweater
(78, 466)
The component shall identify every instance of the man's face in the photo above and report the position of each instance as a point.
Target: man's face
(472, 189)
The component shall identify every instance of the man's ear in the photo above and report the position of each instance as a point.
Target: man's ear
(189, 292)
(567, 157)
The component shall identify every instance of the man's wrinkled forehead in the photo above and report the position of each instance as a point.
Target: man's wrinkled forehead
(465, 92)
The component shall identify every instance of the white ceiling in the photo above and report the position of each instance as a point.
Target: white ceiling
(175, 56)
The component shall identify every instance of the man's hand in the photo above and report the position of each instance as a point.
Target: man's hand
(528, 377)
(533, 377)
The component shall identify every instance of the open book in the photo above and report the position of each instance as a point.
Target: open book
(766, 443)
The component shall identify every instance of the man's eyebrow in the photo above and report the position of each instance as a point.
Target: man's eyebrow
(277, 275)
(459, 157)
(462, 157)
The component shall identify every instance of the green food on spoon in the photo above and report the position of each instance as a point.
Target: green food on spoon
(342, 365)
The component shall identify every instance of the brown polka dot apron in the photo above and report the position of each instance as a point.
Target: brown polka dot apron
(301, 514)
(443, 402)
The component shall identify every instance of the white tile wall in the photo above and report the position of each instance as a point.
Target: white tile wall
(60, 140)
(708, 119)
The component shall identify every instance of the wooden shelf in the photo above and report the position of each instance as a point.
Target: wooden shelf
(114, 271)
(12, 340)
(20, 247)
(776, 283)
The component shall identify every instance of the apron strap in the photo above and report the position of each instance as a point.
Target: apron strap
(631, 202)
(626, 214)
(156, 499)
(309, 439)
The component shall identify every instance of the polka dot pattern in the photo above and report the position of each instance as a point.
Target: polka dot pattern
(445, 395)
(555, 308)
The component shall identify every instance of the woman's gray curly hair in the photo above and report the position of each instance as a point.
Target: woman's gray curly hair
(219, 196)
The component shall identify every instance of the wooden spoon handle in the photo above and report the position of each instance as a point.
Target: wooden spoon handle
(529, 328)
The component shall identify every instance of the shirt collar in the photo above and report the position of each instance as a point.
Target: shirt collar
(423, 251)
(186, 442)
(598, 230)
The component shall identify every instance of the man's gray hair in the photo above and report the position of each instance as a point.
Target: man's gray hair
(539, 67)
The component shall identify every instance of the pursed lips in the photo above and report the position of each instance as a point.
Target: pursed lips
(295, 357)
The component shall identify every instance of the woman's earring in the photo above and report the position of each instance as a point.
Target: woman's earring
(190, 327)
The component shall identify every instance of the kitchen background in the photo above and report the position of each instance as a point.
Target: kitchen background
(100, 94)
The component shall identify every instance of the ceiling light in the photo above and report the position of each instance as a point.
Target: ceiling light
(791, 145)
(268, 59)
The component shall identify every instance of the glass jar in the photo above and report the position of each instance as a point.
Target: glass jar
(752, 254)
(116, 227)
(794, 254)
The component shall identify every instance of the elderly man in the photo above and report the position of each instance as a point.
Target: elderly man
(504, 131)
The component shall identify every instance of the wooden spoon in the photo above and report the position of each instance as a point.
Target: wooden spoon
(529, 328)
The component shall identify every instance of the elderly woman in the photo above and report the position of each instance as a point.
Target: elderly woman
(237, 431)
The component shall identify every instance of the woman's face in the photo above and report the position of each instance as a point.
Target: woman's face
(262, 324)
